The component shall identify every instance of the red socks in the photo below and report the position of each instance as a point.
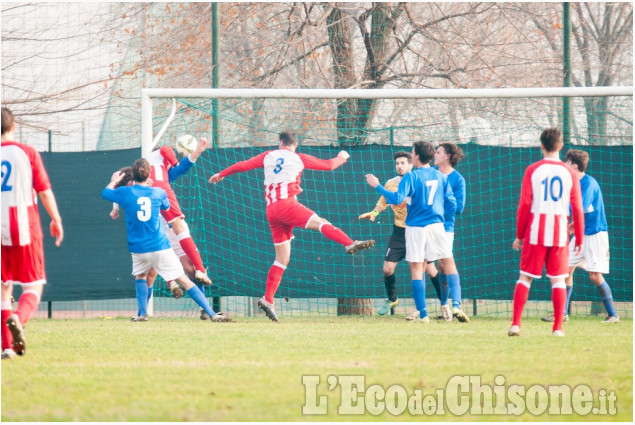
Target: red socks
(27, 305)
(521, 293)
(188, 245)
(7, 337)
(559, 299)
(273, 280)
(335, 234)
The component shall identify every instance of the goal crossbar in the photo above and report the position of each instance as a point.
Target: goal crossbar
(149, 93)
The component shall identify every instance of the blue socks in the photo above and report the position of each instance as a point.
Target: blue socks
(444, 292)
(419, 294)
(566, 305)
(199, 298)
(607, 298)
(141, 289)
(455, 289)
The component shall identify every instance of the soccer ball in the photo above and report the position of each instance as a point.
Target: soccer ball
(186, 144)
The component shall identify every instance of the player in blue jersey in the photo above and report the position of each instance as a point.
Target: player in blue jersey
(174, 173)
(429, 197)
(149, 246)
(446, 157)
(594, 257)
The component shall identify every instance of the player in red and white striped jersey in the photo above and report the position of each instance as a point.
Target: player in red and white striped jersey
(283, 169)
(23, 175)
(163, 162)
(549, 188)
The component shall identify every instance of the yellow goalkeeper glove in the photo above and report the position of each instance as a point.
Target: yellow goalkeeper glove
(370, 215)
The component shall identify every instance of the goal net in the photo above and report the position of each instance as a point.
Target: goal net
(498, 130)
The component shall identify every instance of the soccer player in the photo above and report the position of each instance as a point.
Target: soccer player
(595, 254)
(283, 168)
(397, 243)
(165, 170)
(430, 197)
(446, 157)
(23, 175)
(549, 188)
(147, 242)
(127, 179)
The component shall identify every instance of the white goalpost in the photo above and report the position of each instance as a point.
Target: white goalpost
(148, 141)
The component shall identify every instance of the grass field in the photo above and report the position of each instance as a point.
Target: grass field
(251, 370)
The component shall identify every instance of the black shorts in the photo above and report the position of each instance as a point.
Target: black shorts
(396, 245)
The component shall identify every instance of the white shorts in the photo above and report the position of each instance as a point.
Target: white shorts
(595, 253)
(427, 243)
(164, 262)
(174, 241)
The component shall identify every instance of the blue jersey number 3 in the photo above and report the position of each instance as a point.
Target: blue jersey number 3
(279, 163)
(6, 172)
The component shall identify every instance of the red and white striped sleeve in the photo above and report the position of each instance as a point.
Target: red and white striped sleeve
(524, 206)
(313, 163)
(41, 180)
(242, 166)
(577, 210)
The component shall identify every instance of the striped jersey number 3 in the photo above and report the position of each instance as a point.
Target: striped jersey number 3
(432, 184)
(279, 163)
(552, 188)
(6, 172)
(145, 211)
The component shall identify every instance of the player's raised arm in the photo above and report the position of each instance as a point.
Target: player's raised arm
(313, 163)
(394, 198)
(239, 167)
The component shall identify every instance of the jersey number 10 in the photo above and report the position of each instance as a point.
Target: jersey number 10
(551, 189)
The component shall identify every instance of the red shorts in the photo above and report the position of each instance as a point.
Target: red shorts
(284, 215)
(534, 257)
(174, 211)
(24, 265)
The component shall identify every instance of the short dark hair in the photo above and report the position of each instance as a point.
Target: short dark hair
(425, 150)
(550, 138)
(403, 154)
(288, 138)
(7, 120)
(141, 170)
(455, 152)
(127, 177)
(579, 158)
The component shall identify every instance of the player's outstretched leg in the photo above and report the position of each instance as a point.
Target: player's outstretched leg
(268, 308)
(182, 232)
(199, 298)
(359, 245)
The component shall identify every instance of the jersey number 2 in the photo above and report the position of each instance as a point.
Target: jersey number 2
(146, 208)
(279, 163)
(6, 172)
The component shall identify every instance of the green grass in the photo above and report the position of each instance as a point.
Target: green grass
(188, 370)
